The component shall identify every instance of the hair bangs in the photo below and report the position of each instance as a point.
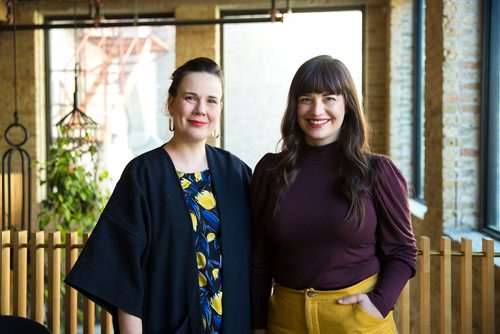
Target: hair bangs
(321, 79)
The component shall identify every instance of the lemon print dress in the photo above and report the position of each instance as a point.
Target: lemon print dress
(202, 208)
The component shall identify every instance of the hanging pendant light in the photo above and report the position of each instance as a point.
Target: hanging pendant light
(76, 126)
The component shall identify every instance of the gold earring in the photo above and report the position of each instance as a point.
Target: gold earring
(216, 133)
(171, 124)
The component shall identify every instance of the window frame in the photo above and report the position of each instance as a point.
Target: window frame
(489, 119)
(418, 101)
(81, 21)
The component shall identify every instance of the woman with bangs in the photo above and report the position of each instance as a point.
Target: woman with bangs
(333, 244)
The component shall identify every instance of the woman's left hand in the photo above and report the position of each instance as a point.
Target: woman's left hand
(364, 301)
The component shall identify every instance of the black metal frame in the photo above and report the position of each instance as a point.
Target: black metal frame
(25, 171)
(130, 21)
(418, 98)
(489, 125)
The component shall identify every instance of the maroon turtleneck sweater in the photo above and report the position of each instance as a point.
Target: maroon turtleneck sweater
(307, 244)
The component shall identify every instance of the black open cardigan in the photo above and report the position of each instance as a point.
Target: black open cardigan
(141, 256)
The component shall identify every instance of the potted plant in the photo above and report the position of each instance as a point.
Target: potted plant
(75, 194)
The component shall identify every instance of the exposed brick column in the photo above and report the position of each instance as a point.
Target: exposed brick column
(401, 85)
(461, 112)
(376, 73)
(197, 40)
(434, 51)
(452, 93)
(30, 94)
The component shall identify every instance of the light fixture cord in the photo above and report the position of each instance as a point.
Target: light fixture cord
(14, 54)
(76, 68)
(136, 16)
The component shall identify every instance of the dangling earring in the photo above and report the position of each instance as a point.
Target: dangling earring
(216, 133)
(171, 124)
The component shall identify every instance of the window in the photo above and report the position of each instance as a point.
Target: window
(259, 61)
(490, 151)
(123, 82)
(417, 180)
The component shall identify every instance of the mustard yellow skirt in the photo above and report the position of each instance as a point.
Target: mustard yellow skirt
(311, 311)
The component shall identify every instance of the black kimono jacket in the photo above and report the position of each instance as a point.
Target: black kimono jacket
(141, 256)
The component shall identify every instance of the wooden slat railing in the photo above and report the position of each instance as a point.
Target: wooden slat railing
(71, 307)
(14, 277)
(37, 282)
(445, 285)
(5, 274)
(14, 248)
(20, 273)
(54, 286)
(424, 271)
(88, 308)
(466, 286)
(425, 285)
(404, 310)
(488, 291)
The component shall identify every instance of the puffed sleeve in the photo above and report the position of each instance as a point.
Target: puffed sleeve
(260, 273)
(395, 238)
(109, 270)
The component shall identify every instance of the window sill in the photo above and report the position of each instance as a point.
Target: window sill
(417, 208)
(476, 238)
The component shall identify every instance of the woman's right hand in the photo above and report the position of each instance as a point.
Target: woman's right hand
(364, 301)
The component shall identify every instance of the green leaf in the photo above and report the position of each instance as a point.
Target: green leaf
(75, 193)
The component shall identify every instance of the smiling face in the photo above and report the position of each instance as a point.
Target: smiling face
(196, 107)
(320, 117)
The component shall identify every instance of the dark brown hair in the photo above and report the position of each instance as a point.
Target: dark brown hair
(323, 74)
(201, 64)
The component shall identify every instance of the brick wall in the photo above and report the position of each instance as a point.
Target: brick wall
(25, 76)
(376, 73)
(198, 40)
(433, 131)
(30, 96)
(452, 91)
(400, 86)
(461, 104)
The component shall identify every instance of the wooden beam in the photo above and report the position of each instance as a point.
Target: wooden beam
(3, 11)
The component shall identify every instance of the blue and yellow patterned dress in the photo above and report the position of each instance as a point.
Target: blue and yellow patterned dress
(202, 207)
